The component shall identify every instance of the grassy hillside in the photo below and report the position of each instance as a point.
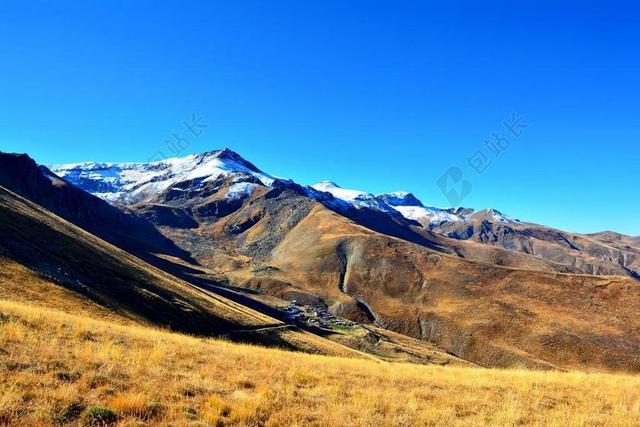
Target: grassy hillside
(19, 284)
(47, 261)
(57, 368)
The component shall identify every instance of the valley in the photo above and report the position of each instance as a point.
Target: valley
(486, 297)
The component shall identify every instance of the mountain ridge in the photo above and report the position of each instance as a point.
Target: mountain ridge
(402, 198)
(405, 215)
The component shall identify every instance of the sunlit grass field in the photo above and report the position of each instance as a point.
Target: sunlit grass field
(57, 368)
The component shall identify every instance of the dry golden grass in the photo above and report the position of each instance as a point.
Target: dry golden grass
(57, 368)
(19, 284)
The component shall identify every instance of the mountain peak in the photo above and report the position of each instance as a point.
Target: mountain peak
(232, 155)
(133, 182)
(226, 154)
(326, 184)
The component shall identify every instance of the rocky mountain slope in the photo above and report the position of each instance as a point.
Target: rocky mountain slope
(503, 294)
(579, 253)
(281, 243)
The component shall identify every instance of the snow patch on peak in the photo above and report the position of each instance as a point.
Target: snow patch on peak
(495, 215)
(408, 206)
(338, 192)
(398, 194)
(429, 214)
(132, 182)
(327, 184)
(240, 190)
(353, 198)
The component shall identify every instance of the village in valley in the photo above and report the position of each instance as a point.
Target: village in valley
(314, 316)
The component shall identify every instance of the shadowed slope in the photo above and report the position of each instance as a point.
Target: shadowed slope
(20, 174)
(76, 259)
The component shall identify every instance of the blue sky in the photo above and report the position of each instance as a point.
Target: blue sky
(374, 95)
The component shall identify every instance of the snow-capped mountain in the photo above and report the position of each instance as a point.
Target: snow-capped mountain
(354, 198)
(409, 206)
(133, 182)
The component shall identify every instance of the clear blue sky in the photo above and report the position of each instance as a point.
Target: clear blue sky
(374, 95)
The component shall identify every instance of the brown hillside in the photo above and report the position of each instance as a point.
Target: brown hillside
(493, 303)
(490, 315)
(601, 254)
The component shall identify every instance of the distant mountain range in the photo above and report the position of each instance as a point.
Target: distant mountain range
(131, 184)
(212, 234)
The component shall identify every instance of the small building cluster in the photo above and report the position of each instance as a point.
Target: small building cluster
(314, 316)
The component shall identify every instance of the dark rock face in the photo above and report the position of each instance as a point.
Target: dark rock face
(203, 202)
(218, 208)
(168, 216)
